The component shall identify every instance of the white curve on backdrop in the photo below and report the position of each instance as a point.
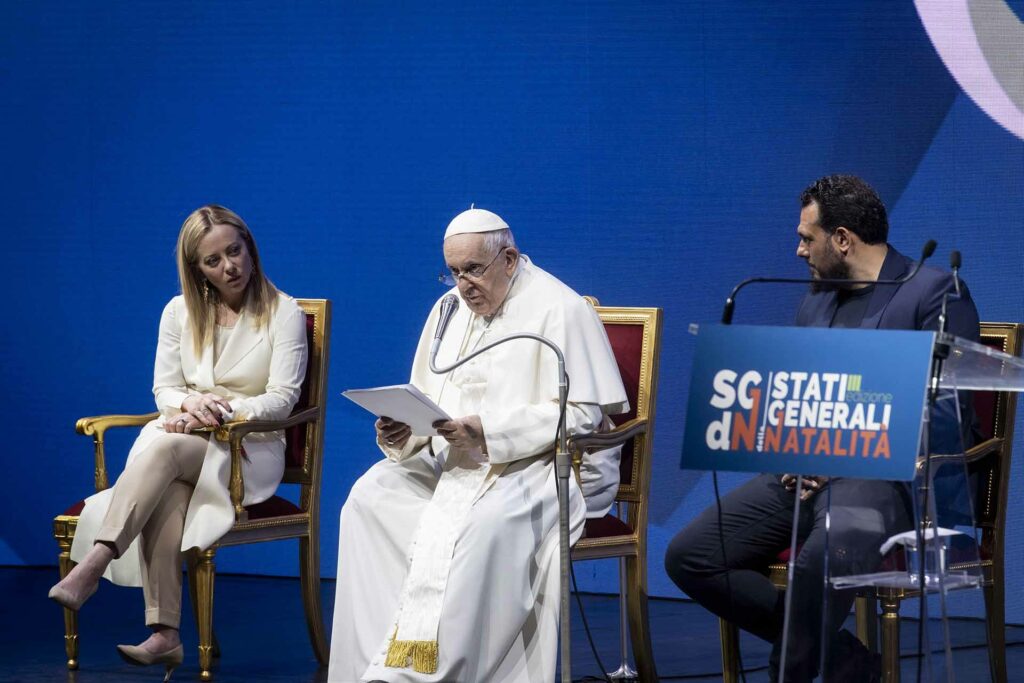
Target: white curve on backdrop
(963, 33)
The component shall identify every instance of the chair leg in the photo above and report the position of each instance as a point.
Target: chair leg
(639, 622)
(867, 621)
(309, 575)
(729, 634)
(192, 559)
(995, 621)
(204, 615)
(624, 670)
(64, 532)
(890, 639)
(70, 616)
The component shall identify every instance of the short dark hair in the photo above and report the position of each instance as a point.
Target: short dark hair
(848, 201)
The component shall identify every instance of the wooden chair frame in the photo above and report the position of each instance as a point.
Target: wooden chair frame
(634, 496)
(992, 493)
(304, 525)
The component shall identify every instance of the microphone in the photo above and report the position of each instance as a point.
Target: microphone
(730, 303)
(954, 265)
(449, 304)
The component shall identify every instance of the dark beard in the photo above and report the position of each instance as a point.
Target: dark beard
(837, 270)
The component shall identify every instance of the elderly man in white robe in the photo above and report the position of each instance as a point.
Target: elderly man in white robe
(448, 555)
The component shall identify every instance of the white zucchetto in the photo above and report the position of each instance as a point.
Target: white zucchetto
(475, 220)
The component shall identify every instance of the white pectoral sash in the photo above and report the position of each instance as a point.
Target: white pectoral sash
(415, 638)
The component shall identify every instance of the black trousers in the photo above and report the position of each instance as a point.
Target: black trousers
(756, 522)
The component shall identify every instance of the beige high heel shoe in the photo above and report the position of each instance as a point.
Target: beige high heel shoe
(133, 654)
(63, 597)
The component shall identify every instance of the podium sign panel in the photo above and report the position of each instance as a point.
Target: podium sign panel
(852, 405)
(798, 400)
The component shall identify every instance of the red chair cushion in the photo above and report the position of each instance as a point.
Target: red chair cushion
(275, 506)
(985, 401)
(606, 526)
(75, 509)
(985, 410)
(627, 344)
(295, 437)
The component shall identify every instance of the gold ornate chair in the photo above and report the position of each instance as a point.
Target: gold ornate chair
(635, 336)
(274, 519)
(989, 461)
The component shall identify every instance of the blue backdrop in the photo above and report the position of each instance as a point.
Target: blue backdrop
(647, 153)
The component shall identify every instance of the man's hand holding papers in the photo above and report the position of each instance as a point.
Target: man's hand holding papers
(403, 405)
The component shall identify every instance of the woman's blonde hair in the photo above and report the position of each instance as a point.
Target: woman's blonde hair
(201, 298)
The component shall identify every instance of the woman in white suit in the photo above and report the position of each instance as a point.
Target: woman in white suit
(231, 347)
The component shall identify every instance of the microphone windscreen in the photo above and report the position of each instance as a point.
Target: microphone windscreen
(954, 260)
(449, 304)
(929, 249)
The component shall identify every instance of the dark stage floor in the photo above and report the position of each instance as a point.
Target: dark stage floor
(257, 648)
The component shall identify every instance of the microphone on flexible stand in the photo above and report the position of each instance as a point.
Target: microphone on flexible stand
(954, 265)
(449, 305)
(942, 345)
(730, 303)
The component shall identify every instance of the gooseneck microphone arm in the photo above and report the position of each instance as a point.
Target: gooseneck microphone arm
(730, 303)
(563, 465)
(954, 265)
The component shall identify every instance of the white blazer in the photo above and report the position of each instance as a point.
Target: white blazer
(260, 371)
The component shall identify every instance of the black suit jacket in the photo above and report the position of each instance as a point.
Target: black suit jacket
(916, 305)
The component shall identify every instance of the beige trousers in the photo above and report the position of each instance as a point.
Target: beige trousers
(149, 500)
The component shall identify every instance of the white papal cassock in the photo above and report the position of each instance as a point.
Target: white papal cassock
(448, 559)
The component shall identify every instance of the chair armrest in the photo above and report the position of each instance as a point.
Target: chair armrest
(96, 427)
(233, 432)
(622, 433)
(616, 437)
(986, 447)
(88, 426)
(974, 454)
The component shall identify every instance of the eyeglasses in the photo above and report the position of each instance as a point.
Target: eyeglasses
(473, 273)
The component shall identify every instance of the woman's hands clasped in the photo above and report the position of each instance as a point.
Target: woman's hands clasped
(200, 410)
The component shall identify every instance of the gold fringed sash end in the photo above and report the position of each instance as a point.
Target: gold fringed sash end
(423, 654)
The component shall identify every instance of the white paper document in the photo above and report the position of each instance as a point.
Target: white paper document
(402, 403)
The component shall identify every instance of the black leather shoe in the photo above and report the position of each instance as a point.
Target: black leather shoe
(850, 662)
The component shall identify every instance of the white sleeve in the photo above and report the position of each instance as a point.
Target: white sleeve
(288, 358)
(529, 430)
(168, 380)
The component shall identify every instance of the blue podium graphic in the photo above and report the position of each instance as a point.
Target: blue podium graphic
(807, 401)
